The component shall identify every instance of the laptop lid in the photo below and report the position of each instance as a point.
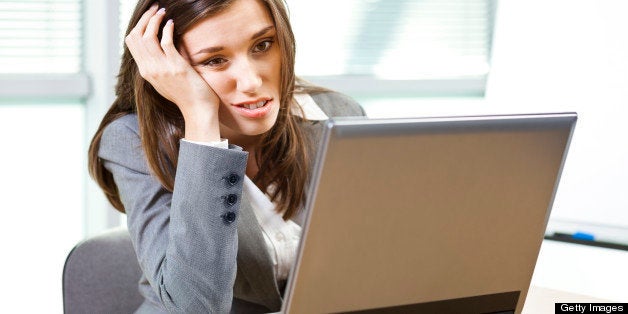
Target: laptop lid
(429, 215)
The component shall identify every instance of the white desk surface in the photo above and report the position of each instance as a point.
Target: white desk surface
(584, 270)
(567, 272)
(540, 300)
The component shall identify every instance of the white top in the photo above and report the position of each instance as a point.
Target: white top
(281, 237)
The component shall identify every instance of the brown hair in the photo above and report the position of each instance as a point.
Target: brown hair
(282, 154)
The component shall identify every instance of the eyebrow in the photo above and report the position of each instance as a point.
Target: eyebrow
(258, 34)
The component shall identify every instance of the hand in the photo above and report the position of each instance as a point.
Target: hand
(173, 77)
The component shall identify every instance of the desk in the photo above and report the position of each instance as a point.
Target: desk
(540, 300)
(567, 272)
(582, 270)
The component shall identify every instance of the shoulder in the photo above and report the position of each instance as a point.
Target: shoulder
(336, 104)
(126, 124)
(121, 143)
(123, 130)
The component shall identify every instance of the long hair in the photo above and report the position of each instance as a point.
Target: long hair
(282, 153)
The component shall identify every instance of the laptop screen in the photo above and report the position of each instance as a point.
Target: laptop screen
(427, 212)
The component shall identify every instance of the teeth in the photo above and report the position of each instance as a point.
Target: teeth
(256, 105)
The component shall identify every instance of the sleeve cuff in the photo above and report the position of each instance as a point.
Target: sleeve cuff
(223, 143)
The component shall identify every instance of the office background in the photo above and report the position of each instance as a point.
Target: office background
(398, 58)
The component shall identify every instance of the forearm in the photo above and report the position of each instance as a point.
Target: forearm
(203, 218)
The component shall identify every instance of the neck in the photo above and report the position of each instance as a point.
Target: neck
(251, 165)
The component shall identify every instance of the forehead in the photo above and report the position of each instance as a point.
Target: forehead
(237, 22)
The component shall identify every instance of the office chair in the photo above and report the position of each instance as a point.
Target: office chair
(101, 275)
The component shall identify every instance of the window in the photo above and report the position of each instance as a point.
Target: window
(407, 47)
(41, 46)
(43, 89)
(40, 36)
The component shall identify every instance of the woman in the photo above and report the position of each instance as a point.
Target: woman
(207, 149)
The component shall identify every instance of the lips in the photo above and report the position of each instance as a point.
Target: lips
(254, 109)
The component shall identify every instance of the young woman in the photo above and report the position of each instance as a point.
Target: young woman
(208, 149)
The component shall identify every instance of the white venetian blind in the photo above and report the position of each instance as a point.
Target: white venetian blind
(40, 36)
(393, 39)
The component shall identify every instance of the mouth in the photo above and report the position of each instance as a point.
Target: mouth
(258, 108)
(253, 105)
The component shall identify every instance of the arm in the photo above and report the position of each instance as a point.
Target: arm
(186, 241)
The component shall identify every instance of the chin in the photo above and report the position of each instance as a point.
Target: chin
(257, 130)
(257, 127)
(245, 131)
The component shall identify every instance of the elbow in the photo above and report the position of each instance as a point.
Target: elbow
(191, 295)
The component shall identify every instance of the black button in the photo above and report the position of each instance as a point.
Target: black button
(231, 199)
(229, 217)
(232, 179)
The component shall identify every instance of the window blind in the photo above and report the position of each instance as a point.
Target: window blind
(393, 39)
(40, 36)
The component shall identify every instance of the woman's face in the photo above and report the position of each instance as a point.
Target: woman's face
(236, 53)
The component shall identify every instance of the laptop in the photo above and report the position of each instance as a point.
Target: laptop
(427, 215)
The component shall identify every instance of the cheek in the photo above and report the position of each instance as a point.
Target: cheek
(218, 83)
(273, 72)
(276, 65)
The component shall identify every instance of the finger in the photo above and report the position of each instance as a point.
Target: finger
(149, 40)
(153, 23)
(132, 40)
(140, 27)
(167, 42)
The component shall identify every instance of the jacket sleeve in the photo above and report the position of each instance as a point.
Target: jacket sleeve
(186, 241)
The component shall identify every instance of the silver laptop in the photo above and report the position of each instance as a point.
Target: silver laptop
(428, 215)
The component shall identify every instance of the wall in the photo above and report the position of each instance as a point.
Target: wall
(42, 166)
(571, 56)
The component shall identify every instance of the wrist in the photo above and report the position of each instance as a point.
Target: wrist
(202, 127)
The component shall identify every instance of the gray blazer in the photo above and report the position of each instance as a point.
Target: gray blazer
(200, 247)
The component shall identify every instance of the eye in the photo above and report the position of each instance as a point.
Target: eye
(263, 45)
(215, 62)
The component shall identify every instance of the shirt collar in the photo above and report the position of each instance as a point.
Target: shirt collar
(310, 109)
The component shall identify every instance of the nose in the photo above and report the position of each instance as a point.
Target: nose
(247, 77)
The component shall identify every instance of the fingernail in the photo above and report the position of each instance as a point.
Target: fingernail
(168, 22)
(161, 11)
